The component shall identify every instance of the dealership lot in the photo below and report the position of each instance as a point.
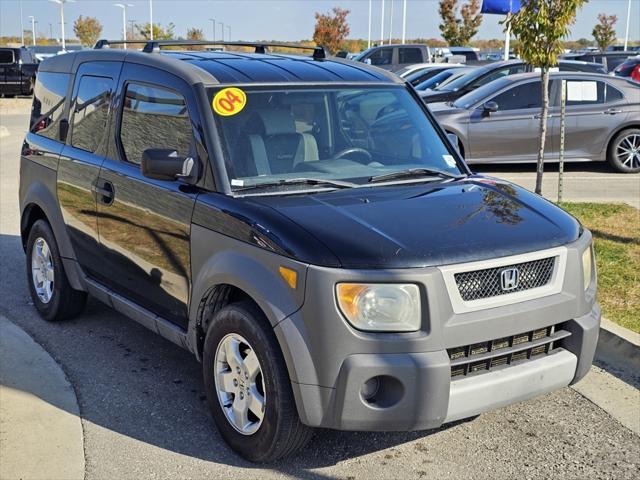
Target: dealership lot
(144, 413)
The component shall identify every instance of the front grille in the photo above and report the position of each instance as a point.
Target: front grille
(500, 352)
(486, 283)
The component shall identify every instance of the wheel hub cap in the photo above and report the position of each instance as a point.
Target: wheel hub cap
(239, 384)
(42, 270)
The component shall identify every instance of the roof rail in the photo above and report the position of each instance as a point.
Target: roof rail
(153, 46)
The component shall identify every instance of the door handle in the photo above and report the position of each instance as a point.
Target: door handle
(612, 111)
(538, 116)
(105, 193)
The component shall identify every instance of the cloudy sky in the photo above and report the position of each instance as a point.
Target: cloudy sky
(277, 19)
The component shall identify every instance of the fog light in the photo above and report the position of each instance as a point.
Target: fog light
(370, 389)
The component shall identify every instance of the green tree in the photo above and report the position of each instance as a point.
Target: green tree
(159, 33)
(456, 31)
(331, 29)
(540, 27)
(88, 30)
(604, 33)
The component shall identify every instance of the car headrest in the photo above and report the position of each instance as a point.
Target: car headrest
(277, 122)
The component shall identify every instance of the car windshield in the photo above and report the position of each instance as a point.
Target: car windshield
(459, 79)
(480, 93)
(436, 80)
(349, 134)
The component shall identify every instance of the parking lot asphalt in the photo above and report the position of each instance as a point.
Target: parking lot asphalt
(144, 413)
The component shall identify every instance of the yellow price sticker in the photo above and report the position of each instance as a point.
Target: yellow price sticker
(229, 101)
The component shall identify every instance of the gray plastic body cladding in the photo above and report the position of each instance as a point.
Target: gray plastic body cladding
(319, 343)
(220, 260)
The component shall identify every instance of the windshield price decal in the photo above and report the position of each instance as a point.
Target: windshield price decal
(229, 101)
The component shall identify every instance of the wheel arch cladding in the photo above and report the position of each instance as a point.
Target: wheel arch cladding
(233, 269)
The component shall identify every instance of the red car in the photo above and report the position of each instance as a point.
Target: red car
(630, 68)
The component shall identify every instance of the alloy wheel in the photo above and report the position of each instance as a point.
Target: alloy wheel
(42, 270)
(628, 151)
(240, 384)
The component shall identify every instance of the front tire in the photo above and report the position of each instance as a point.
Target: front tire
(248, 387)
(624, 151)
(50, 290)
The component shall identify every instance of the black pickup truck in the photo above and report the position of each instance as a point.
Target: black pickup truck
(18, 67)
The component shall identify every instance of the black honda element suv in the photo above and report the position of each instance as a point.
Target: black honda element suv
(305, 228)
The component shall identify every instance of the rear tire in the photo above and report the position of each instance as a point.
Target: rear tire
(624, 151)
(49, 287)
(276, 433)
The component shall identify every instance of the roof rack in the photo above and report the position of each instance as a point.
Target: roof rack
(153, 46)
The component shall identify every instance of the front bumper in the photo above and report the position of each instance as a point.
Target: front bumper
(428, 396)
(329, 361)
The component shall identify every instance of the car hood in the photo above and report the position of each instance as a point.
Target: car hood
(428, 224)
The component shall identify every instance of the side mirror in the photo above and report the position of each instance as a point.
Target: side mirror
(490, 107)
(166, 164)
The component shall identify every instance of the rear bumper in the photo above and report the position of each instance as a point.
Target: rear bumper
(417, 392)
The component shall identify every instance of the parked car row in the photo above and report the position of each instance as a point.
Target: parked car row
(493, 111)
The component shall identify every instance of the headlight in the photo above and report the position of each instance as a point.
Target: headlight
(587, 266)
(382, 307)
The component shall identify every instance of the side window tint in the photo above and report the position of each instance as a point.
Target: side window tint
(410, 55)
(490, 78)
(585, 92)
(48, 102)
(91, 108)
(613, 94)
(384, 56)
(523, 96)
(154, 117)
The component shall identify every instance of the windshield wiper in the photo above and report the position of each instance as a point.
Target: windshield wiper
(298, 181)
(414, 172)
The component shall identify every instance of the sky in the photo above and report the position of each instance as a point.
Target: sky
(278, 19)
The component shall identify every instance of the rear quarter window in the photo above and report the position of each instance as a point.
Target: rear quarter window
(49, 97)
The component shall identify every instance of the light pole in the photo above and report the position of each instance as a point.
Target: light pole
(151, 19)
(61, 3)
(391, 24)
(369, 30)
(382, 24)
(124, 7)
(213, 27)
(221, 30)
(228, 33)
(33, 29)
(132, 23)
(50, 31)
(21, 25)
(626, 34)
(404, 20)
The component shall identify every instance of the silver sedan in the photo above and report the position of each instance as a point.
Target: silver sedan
(499, 122)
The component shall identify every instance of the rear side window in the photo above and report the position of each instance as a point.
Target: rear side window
(154, 117)
(585, 92)
(49, 96)
(410, 55)
(523, 96)
(6, 56)
(90, 111)
(384, 56)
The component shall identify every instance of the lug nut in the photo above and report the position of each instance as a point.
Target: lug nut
(235, 382)
(241, 396)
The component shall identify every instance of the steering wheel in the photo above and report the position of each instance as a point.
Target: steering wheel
(350, 151)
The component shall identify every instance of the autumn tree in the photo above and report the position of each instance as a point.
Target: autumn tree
(331, 29)
(159, 33)
(195, 34)
(459, 31)
(540, 27)
(604, 33)
(87, 29)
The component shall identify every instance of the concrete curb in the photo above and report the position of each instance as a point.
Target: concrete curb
(41, 433)
(618, 346)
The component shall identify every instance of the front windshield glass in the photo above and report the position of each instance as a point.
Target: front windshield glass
(460, 79)
(344, 133)
(436, 80)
